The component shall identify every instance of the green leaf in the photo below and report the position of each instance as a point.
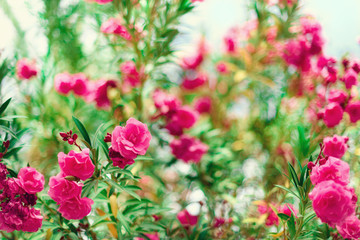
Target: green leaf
(291, 226)
(82, 130)
(8, 130)
(288, 190)
(293, 175)
(4, 106)
(143, 158)
(283, 216)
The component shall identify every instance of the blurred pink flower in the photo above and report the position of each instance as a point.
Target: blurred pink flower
(188, 149)
(26, 69)
(186, 219)
(333, 114)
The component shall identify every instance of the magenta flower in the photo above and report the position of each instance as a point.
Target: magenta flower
(165, 103)
(103, 1)
(336, 95)
(76, 208)
(195, 81)
(335, 146)
(353, 109)
(118, 160)
(33, 222)
(99, 93)
(333, 114)
(272, 218)
(26, 69)
(350, 78)
(131, 140)
(80, 83)
(113, 26)
(63, 83)
(61, 189)
(203, 105)
(332, 202)
(31, 180)
(192, 62)
(186, 219)
(222, 68)
(184, 117)
(188, 149)
(130, 74)
(76, 164)
(350, 228)
(334, 169)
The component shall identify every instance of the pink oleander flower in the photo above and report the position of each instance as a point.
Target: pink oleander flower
(76, 208)
(26, 69)
(334, 169)
(113, 26)
(61, 189)
(174, 128)
(76, 164)
(272, 218)
(195, 81)
(192, 62)
(130, 74)
(333, 114)
(103, 1)
(336, 95)
(285, 209)
(188, 149)
(350, 78)
(118, 160)
(350, 228)
(353, 109)
(99, 93)
(222, 68)
(150, 236)
(31, 180)
(203, 105)
(33, 222)
(184, 117)
(80, 83)
(296, 54)
(131, 140)
(231, 39)
(332, 202)
(335, 146)
(186, 219)
(63, 83)
(165, 103)
(13, 187)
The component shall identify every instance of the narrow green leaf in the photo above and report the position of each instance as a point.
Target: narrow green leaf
(82, 130)
(4, 106)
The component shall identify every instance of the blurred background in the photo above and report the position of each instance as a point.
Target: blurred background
(340, 21)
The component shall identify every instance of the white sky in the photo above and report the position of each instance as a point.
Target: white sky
(340, 20)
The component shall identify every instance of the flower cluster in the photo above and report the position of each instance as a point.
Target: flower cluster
(128, 142)
(65, 188)
(131, 75)
(114, 26)
(17, 198)
(91, 91)
(333, 201)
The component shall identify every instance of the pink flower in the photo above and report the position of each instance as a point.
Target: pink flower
(131, 140)
(103, 1)
(184, 117)
(333, 114)
(285, 209)
(188, 149)
(165, 103)
(332, 202)
(186, 219)
(334, 169)
(99, 93)
(31, 180)
(62, 189)
(193, 62)
(130, 74)
(76, 208)
(222, 68)
(353, 109)
(350, 228)
(335, 146)
(350, 78)
(80, 83)
(63, 83)
(203, 105)
(33, 222)
(272, 218)
(296, 54)
(13, 214)
(113, 26)
(336, 95)
(150, 236)
(26, 69)
(118, 160)
(76, 164)
(195, 81)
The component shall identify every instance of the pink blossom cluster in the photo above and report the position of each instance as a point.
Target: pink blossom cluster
(128, 142)
(186, 219)
(333, 201)
(130, 74)
(17, 198)
(272, 218)
(26, 69)
(114, 26)
(90, 91)
(65, 188)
